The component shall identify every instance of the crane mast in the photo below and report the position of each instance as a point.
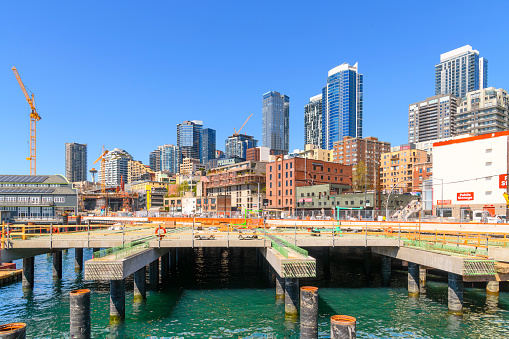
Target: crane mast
(34, 117)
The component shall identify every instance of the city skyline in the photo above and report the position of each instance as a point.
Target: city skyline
(114, 90)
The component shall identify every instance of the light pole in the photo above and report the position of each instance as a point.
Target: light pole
(442, 198)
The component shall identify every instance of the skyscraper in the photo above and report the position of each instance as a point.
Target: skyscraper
(189, 139)
(169, 155)
(75, 162)
(275, 121)
(342, 99)
(313, 121)
(115, 167)
(208, 148)
(237, 145)
(461, 71)
(155, 160)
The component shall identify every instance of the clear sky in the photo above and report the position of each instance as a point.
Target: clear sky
(124, 73)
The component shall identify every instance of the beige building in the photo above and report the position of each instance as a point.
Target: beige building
(189, 166)
(135, 169)
(396, 168)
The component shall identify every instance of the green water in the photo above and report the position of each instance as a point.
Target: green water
(220, 293)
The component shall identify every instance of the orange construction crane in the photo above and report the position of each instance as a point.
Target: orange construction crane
(237, 133)
(103, 179)
(34, 117)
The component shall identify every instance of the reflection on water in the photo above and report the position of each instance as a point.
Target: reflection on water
(224, 293)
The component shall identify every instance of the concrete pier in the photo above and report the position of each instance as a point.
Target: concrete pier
(117, 300)
(413, 279)
(13, 331)
(492, 287)
(455, 294)
(422, 278)
(173, 260)
(386, 270)
(291, 297)
(165, 267)
(308, 312)
(78, 259)
(140, 284)
(79, 304)
(343, 327)
(57, 265)
(153, 273)
(280, 287)
(28, 273)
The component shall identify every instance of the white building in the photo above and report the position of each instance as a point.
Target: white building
(471, 174)
(115, 167)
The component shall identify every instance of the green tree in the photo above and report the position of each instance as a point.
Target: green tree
(361, 180)
(183, 187)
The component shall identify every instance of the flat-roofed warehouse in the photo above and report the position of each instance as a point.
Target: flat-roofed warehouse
(36, 197)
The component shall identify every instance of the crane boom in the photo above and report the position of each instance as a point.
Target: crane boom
(238, 132)
(34, 117)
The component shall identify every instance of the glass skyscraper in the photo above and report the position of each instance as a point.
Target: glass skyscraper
(276, 122)
(313, 121)
(461, 71)
(342, 105)
(237, 145)
(208, 148)
(189, 139)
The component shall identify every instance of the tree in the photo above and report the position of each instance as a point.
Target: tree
(183, 187)
(361, 180)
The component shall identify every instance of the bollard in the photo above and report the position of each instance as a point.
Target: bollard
(291, 297)
(140, 282)
(280, 287)
(79, 304)
(78, 259)
(413, 279)
(308, 312)
(343, 327)
(28, 273)
(117, 300)
(455, 294)
(13, 331)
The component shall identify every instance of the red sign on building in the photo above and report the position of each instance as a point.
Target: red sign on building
(502, 181)
(446, 202)
(465, 196)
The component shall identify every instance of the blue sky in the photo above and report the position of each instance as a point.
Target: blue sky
(124, 73)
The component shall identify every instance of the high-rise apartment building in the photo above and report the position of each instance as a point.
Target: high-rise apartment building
(189, 139)
(276, 122)
(342, 105)
(432, 118)
(461, 71)
(313, 121)
(170, 156)
(483, 111)
(136, 170)
(351, 151)
(237, 145)
(208, 148)
(115, 167)
(75, 162)
(396, 168)
(155, 160)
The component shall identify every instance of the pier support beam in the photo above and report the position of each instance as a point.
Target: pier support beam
(79, 304)
(422, 278)
(413, 279)
(386, 270)
(153, 273)
(173, 260)
(57, 265)
(117, 300)
(455, 294)
(291, 297)
(28, 273)
(165, 267)
(78, 259)
(366, 262)
(280, 287)
(343, 327)
(308, 312)
(140, 284)
(492, 287)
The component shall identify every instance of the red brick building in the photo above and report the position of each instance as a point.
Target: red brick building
(422, 171)
(284, 175)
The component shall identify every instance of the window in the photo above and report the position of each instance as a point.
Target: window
(37, 200)
(291, 191)
(270, 168)
(291, 164)
(286, 165)
(286, 173)
(270, 185)
(291, 174)
(270, 176)
(22, 199)
(279, 166)
(270, 193)
(279, 175)
(291, 182)
(59, 199)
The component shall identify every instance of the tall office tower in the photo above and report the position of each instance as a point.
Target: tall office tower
(313, 121)
(276, 122)
(75, 162)
(155, 160)
(115, 167)
(461, 71)
(169, 157)
(237, 145)
(432, 118)
(483, 111)
(189, 139)
(342, 105)
(208, 148)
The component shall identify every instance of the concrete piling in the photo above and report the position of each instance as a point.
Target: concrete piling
(117, 300)
(291, 297)
(28, 273)
(422, 276)
(79, 303)
(413, 279)
(366, 262)
(492, 287)
(455, 294)
(173, 260)
(308, 312)
(343, 327)
(78, 259)
(386, 271)
(13, 331)
(165, 267)
(57, 265)
(140, 285)
(153, 273)
(280, 287)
